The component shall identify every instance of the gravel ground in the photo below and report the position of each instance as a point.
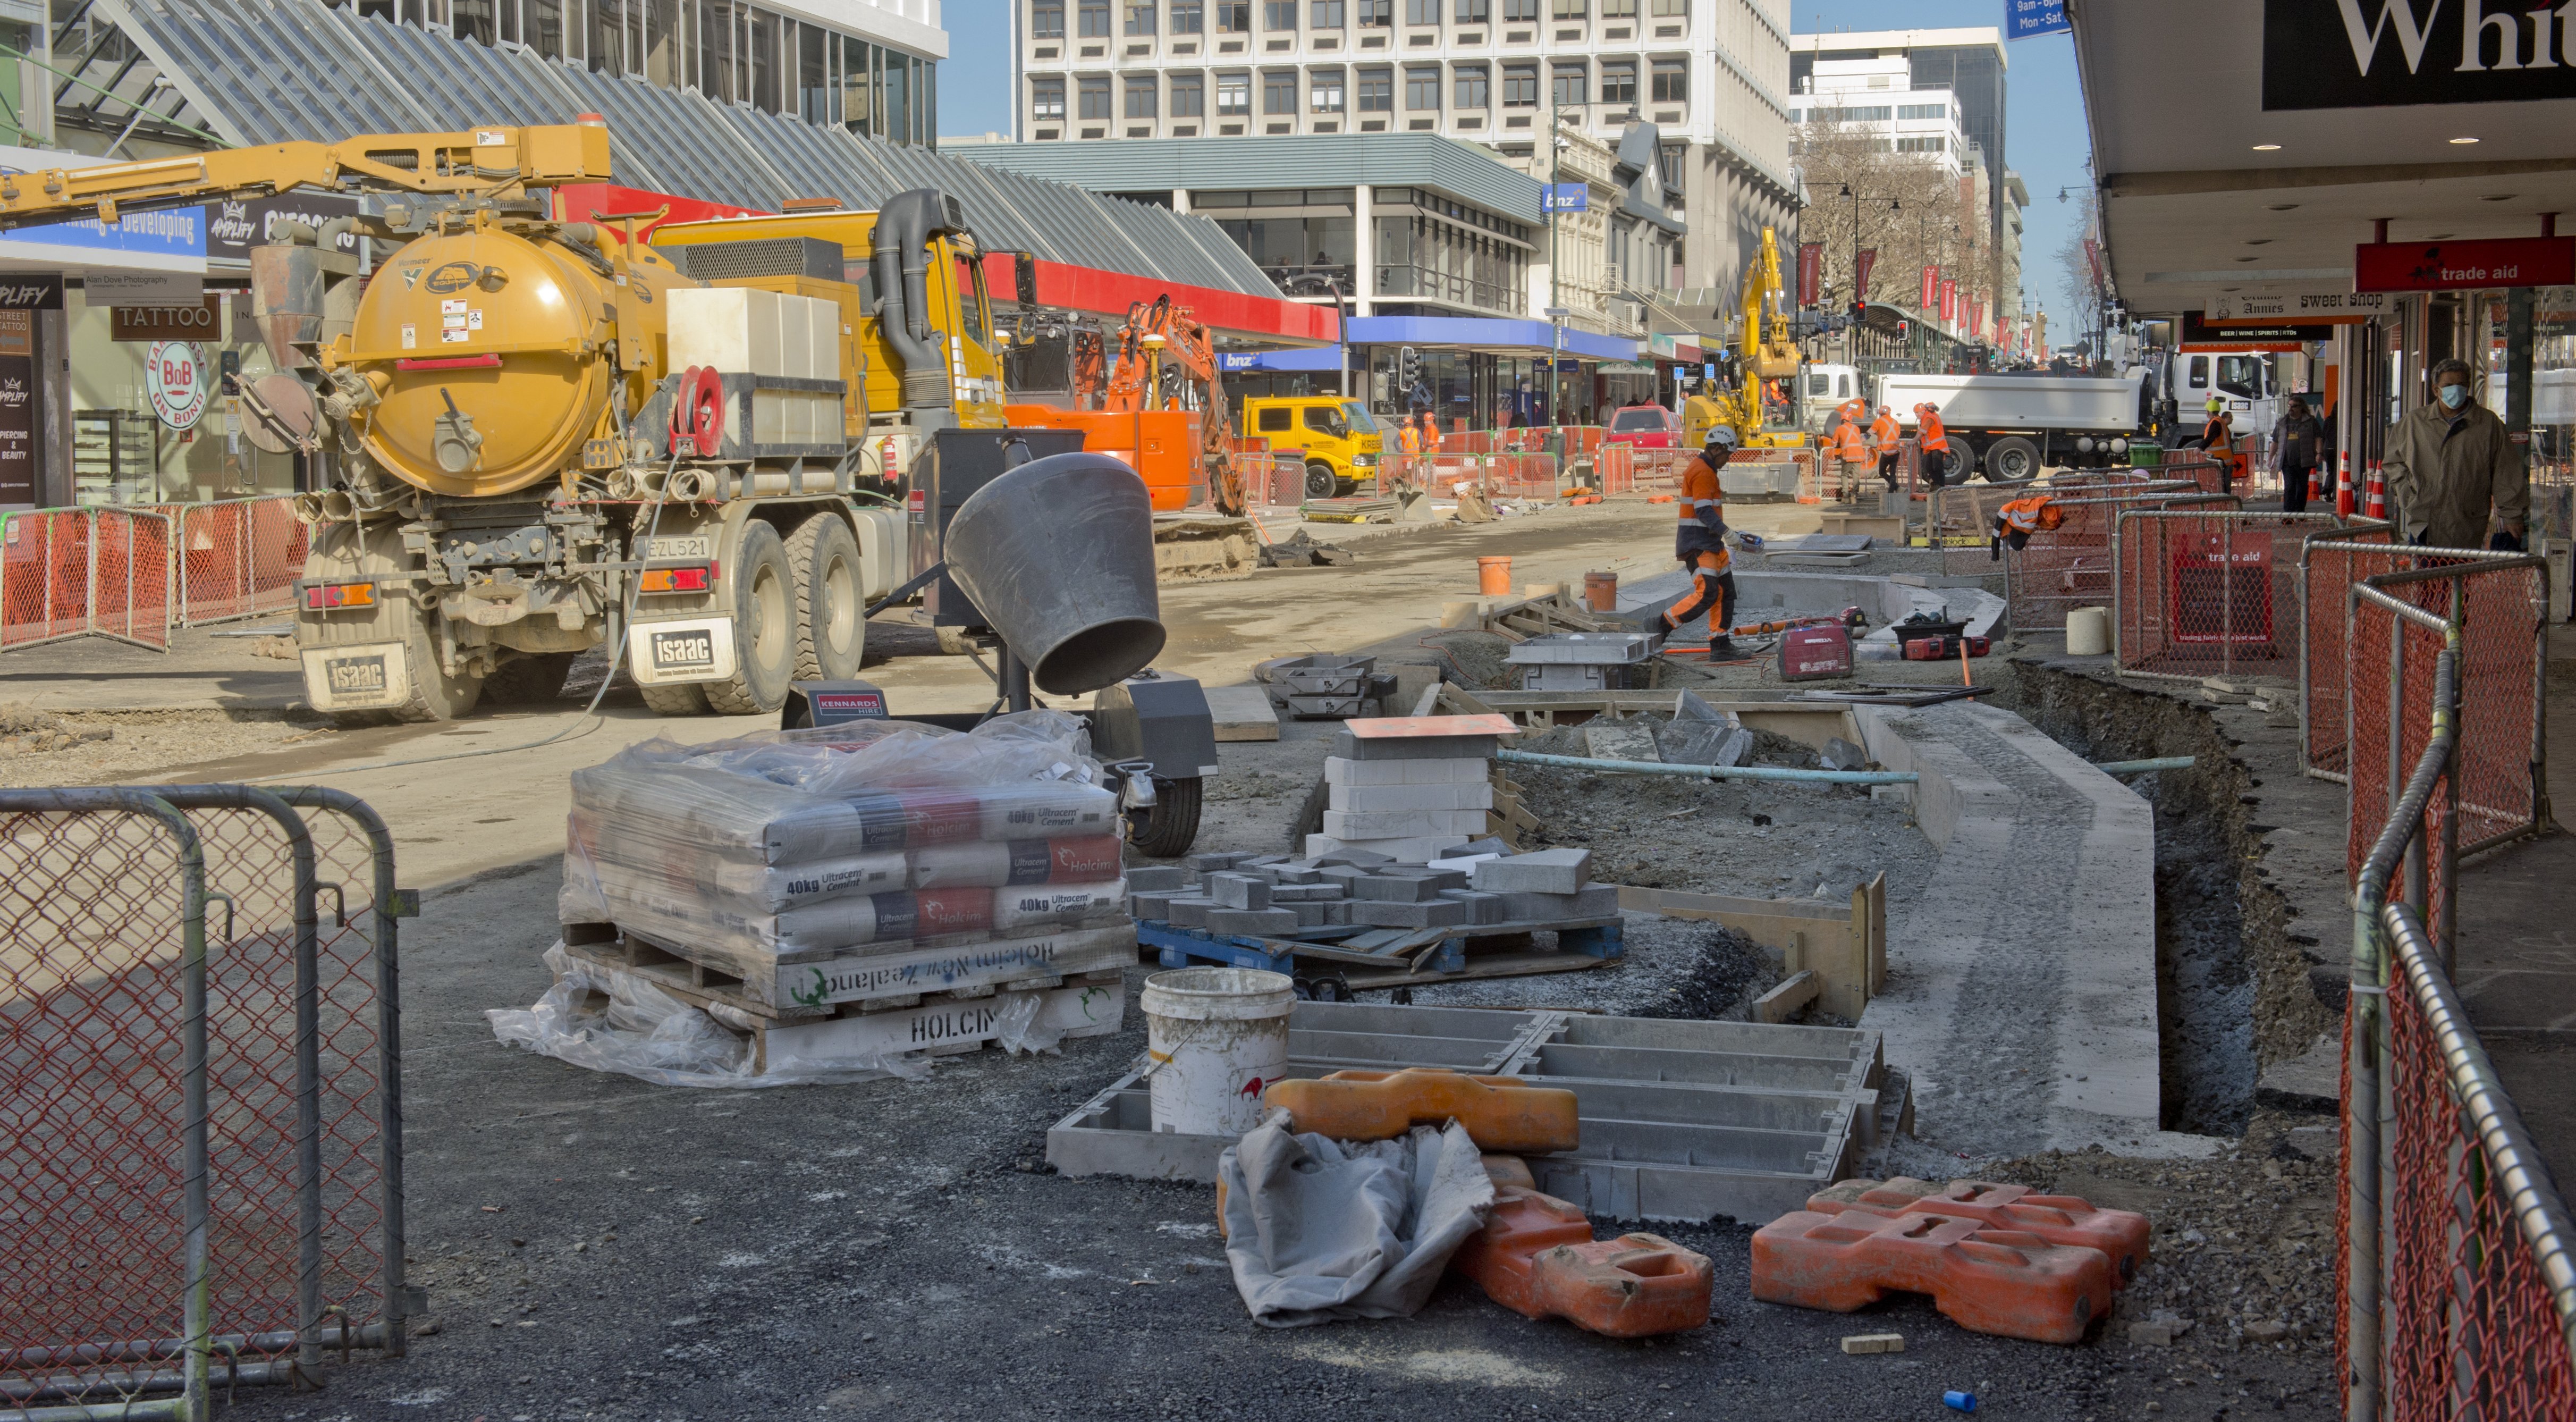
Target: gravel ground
(127, 747)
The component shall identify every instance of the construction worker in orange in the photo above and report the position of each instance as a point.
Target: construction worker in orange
(1409, 436)
(1851, 451)
(1853, 412)
(1700, 544)
(1430, 433)
(2015, 522)
(1884, 433)
(1933, 438)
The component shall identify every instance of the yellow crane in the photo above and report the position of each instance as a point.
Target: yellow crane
(1765, 352)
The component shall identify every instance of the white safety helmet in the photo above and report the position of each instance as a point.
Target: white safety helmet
(1721, 436)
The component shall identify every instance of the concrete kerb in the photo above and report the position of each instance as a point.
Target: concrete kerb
(2022, 985)
(1762, 595)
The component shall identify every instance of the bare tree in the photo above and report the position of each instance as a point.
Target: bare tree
(1910, 208)
(2084, 317)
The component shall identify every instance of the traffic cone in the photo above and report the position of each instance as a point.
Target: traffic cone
(2376, 505)
(2343, 484)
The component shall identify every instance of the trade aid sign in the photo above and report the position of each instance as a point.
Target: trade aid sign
(2356, 54)
(2463, 266)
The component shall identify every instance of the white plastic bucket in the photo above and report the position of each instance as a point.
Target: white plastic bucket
(2088, 632)
(1218, 1038)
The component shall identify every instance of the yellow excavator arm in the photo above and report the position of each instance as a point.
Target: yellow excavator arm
(1768, 354)
(496, 161)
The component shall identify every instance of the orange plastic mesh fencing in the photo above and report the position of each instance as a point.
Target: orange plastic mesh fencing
(237, 558)
(1520, 476)
(71, 572)
(2210, 592)
(92, 1088)
(1616, 467)
(130, 578)
(2329, 564)
(1275, 480)
(2071, 566)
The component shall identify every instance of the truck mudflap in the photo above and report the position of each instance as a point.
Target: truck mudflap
(662, 653)
(369, 676)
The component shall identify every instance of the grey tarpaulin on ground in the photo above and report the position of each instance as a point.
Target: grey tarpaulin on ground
(1318, 1230)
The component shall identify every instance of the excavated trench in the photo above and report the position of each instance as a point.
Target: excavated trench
(2232, 988)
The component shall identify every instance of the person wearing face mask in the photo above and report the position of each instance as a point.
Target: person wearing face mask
(2454, 477)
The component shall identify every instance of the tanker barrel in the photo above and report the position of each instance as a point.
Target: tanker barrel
(1058, 554)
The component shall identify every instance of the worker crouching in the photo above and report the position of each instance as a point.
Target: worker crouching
(2015, 522)
(1700, 544)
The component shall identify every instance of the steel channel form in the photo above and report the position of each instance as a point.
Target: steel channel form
(1712, 772)
(2119, 587)
(196, 1285)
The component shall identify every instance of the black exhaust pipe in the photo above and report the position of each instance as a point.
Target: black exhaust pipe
(900, 250)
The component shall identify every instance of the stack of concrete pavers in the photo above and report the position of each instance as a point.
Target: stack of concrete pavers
(1274, 896)
(1411, 788)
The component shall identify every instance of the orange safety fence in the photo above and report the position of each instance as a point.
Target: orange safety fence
(237, 558)
(77, 572)
(2209, 591)
(1499, 476)
(2072, 565)
(2330, 562)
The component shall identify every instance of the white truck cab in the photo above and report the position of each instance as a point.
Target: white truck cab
(1822, 389)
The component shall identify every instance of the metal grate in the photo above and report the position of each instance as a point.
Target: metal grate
(761, 257)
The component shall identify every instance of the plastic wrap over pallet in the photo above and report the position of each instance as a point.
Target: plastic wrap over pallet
(872, 837)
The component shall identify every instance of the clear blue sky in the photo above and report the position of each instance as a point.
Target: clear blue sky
(2044, 135)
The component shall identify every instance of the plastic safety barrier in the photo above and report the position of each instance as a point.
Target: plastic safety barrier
(2059, 1219)
(2209, 591)
(74, 572)
(1501, 1113)
(1536, 1256)
(2007, 1282)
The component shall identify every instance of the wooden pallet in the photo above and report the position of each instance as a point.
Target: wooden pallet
(671, 968)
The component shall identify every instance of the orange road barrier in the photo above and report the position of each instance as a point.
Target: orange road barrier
(2059, 1219)
(2009, 1283)
(1536, 1256)
(1501, 1113)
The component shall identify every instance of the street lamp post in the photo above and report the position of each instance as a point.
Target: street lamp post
(1860, 297)
(1330, 283)
(1556, 310)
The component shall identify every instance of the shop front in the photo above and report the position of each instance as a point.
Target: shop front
(1475, 374)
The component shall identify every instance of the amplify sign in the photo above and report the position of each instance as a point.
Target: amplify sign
(2464, 266)
(2358, 54)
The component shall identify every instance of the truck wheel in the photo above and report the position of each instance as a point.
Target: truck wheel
(764, 625)
(677, 699)
(831, 608)
(535, 676)
(349, 552)
(1321, 482)
(1167, 828)
(2011, 460)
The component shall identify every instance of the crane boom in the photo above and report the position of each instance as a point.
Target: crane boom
(494, 161)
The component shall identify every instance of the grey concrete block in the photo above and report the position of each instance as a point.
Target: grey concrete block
(1442, 880)
(1596, 901)
(1337, 911)
(1305, 893)
(1402, 824)
(1481, 908)
(1292, 874)
(1214, 860)
(1310, 913)
(1342, 876)
(1549, 871)
(1428, 913)
(1349, 747)
(1156, 878)
(1189, 910)
(1447, 795)
(1153, 905)
(1393, 888)
(1239, 891)
(1257, 923)
(1352, 858)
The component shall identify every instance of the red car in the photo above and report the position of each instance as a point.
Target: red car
(1645, 426)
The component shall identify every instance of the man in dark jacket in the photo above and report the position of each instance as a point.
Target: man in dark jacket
(2455, 480)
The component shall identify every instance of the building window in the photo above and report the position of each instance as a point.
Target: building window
(1046, 19)
(1046, 100)
(1571, 84)
(1377, 91)
(1188, 17)
(1676, 164)
(1234, 17)
(1140, 19)
(1618, 9)
(1922, 111)
(1922, 145)
(1095, 99)
(1471, 86)
(1671, 9)
(1233, 95)
(1376, 14)
(1567, 9)
(1324, 91)
(1520, 86)
(1672, 80)
(1140, 96)
(1278, 15)
(1279, 92)
(1324, 15)
(1095, 18)
(1422, 12)
(1189, 96)
(1519, 11)
(1473, 12)
(1618, 81)
(1422, 90)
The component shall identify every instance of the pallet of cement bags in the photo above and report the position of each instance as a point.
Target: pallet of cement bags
(784, 884)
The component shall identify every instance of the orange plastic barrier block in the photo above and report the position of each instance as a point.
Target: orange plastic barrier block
(2006, 1282)
(2059, 1219)
(1501, 1113)
(1509, 1170)
(1536, 1256)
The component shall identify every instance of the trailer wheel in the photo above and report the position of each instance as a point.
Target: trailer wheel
(831, 606)
(350, 552)
(1167, 828)
(676, 699)
(2011, 460)
(764, 625)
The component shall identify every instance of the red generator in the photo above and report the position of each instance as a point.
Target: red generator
(1815, 653)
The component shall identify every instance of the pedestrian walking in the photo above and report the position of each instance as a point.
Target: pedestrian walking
(2296, 443)
(2455, 478)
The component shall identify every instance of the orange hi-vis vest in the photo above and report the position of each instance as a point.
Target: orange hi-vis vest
(1933, 433)
(1883, 435)
(2038, 513)
(1850, 446)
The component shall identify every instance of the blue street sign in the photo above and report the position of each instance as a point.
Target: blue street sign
(2024, 19)
(1565, 197)
(1711, 370)
(1234, 360)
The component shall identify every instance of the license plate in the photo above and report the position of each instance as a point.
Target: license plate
(699, 547)
(355, 678)
(664, 652)
(693, 650)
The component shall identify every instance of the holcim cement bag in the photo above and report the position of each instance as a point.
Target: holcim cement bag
(874, 836)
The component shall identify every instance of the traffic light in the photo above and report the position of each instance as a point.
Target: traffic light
(1904, 329)
(1408, 365)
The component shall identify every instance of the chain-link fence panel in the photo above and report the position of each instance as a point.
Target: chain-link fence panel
(76, 572)
(2210, 591)
(2072, 565)
(237, 558)
(129, 596)
(2330, 562)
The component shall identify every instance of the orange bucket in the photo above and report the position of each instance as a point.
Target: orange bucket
(1601, 591)
(1494, 577)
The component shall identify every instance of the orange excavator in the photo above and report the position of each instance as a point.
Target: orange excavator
(1156, 401)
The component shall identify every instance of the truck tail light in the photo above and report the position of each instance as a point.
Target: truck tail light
(334, 595)
(680, 580)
